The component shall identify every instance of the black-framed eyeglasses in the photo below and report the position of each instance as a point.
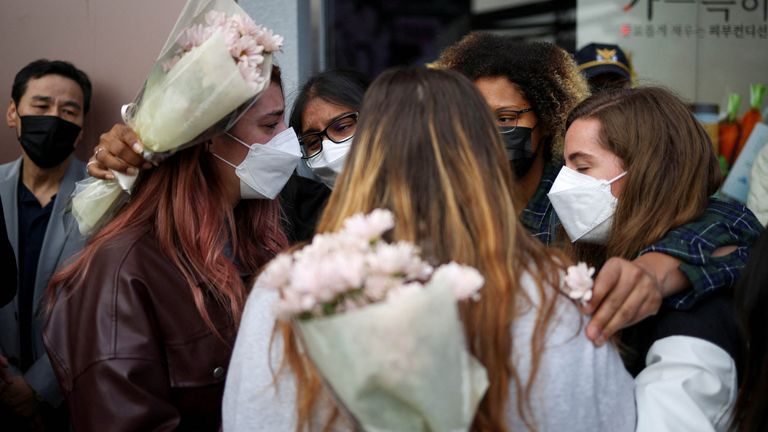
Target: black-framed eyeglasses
(506, 119)
(339, 130)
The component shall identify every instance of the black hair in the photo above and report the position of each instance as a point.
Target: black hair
(43, 67)
(337, 86)
(545, 74)
(752, 306)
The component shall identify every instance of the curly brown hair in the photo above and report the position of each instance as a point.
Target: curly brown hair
(546, 75)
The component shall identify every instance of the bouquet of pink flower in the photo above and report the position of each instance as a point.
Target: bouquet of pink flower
(382, 326)
(215, 62)
(213, 66)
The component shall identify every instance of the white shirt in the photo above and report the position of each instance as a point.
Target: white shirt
(688, 384)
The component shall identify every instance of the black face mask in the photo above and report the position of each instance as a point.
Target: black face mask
(47, 140)
(519, 148)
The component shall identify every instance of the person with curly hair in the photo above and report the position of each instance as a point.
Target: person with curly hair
(531, 87)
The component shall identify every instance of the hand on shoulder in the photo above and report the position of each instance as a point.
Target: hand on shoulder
(625, 292)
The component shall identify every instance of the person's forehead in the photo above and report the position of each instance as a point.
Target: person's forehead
(500, 92)
(269, 102)
(584, 136)
(54, 86)
(318, 111)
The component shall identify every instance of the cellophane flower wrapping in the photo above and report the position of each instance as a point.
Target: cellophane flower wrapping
(95, 196)
(382, 327)
(214, 65)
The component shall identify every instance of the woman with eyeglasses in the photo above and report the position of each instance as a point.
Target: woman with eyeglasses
(531, 87)
(324, 117)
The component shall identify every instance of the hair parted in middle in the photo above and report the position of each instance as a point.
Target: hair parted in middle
(545, 74)
(336, 86)
(427, 148)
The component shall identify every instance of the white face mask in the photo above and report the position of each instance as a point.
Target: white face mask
(267, 167)
(584, 205)
(327, 164)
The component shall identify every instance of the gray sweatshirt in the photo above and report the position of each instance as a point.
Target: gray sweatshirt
(578, 387)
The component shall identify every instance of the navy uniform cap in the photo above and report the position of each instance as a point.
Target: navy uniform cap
(599, 58)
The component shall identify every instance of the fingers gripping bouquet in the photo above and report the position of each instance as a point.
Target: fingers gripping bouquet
(212, 68)
(382, 327)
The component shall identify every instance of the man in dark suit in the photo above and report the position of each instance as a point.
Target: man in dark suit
(47, 111)
(7, 264)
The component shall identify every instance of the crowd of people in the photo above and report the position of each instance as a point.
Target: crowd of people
(500, 155)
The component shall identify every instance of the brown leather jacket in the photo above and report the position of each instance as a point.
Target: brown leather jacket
(130, 349)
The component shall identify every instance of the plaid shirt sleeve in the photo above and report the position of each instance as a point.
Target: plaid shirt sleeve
(539, 217)
(723, 224)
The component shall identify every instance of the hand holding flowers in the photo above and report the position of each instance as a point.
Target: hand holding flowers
(214, 64)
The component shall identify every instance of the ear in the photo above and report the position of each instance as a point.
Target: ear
(11, 117)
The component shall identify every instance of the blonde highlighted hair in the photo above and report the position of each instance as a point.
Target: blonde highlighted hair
(427, 148)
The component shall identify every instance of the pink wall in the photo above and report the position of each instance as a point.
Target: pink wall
(114, 41)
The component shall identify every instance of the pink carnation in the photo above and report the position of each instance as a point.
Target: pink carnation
(378, 286)
(277, 273)
(349, 269)
(271, 42)
(578, 282)
(369, 227)
(400, 258)
(464, 281)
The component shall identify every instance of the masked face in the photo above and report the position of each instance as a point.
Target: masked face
(585, 192)
(327, 164)
(47, 140)
(517, 141)
(48, 119)
(266, 167)
(584, 205)
(327, 133)
(515, 118)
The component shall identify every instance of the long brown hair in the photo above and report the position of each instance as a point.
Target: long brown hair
(427, 149)
(669, 159)
(182, 204)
